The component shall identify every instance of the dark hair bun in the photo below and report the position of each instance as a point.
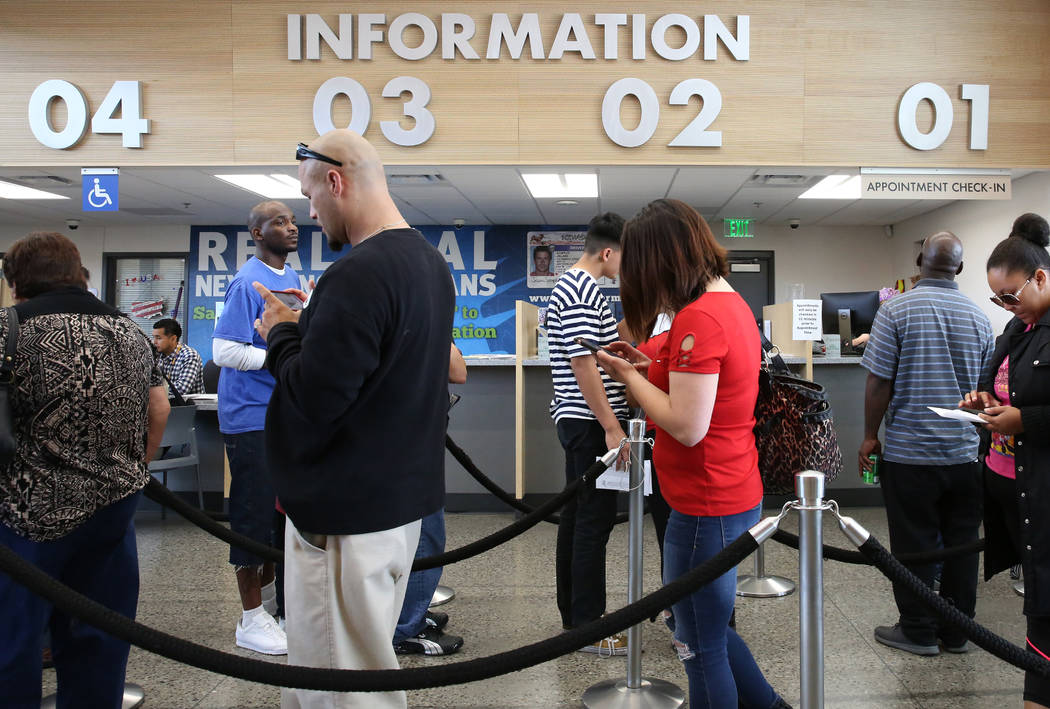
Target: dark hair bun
(1032, 227)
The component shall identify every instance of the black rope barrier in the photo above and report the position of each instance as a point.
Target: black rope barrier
(896, 572)
(486, 482)
(912, 558)
(507, 533)
(78, 606)
(155, 491)
(502, 495)
(158, 493)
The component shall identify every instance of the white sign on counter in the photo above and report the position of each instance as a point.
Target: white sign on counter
(805, 320)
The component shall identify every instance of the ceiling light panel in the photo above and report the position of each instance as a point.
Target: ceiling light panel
(273, 186)
(834, 187)
(562, 186)
(9, 190)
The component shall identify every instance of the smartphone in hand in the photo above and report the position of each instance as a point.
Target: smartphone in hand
(289, 298)
(588, 344)
(971, 411)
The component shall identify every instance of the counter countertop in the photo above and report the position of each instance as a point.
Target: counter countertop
(819, 360)
(490, 360)
(509, 361)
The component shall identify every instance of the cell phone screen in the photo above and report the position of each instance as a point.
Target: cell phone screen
(971, 411)
(289, 299)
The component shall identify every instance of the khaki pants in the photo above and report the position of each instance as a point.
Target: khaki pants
(343, 595)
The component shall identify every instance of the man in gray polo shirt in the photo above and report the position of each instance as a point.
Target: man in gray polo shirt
(927, 348)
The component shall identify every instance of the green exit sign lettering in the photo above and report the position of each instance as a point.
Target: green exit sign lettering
(737, 228)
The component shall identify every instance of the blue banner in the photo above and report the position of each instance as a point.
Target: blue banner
(491, 267)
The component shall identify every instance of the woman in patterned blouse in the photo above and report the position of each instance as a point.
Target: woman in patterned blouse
(88, 409)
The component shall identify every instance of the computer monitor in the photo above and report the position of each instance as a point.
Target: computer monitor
(849, 314)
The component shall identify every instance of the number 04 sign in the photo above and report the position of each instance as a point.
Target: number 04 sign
(124, 96)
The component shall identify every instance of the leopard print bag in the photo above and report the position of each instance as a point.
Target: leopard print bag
(794, 428)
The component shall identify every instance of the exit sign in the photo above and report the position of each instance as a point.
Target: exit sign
(735, 228)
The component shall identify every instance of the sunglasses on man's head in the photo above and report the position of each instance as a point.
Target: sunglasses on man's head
(1009, 298)
(304, 153)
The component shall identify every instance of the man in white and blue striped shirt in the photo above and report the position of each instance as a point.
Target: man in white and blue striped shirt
(589, 411)
(928, 348)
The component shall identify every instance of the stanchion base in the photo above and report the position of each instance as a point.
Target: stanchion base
(134, 697)
(764, 586)
(442, 595)
(1019, 588)
(615, 694)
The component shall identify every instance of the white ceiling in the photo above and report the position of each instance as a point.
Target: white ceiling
(476, 194)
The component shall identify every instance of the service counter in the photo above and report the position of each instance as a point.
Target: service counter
(483, 424)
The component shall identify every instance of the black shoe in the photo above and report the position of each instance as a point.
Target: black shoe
(436, 621)
(956, 647)
(429, 642)
(894, 637)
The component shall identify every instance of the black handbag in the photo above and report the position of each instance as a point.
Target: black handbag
(7, 378)
(794, 428)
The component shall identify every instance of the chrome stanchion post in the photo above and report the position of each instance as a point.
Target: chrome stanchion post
(635, 515)
(442, 595)
(809, 486)
(635, 691)
(759, 585)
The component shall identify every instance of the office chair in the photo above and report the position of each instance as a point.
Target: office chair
(180, 437)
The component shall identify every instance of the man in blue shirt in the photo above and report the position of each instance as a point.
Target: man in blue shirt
(244, 393)
(928, 347)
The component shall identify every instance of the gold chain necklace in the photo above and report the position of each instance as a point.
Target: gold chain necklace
(385, 227)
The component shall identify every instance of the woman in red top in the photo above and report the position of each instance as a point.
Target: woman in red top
(700, 393)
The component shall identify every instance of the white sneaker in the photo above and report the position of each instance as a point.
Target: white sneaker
(262, 635)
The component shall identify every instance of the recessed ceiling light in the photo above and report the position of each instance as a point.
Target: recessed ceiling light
(568, 186)
(9, 190)
(566, 203)
(274, 186)
(834, 187)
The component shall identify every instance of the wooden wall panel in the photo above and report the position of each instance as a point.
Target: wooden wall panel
(821, 88)
(181, 52)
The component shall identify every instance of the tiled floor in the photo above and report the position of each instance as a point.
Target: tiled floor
(505, 599)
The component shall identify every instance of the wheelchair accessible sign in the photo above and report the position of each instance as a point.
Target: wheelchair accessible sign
(100, 189)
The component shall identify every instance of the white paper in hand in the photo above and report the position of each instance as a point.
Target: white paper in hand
(956, 414)
(619, 478)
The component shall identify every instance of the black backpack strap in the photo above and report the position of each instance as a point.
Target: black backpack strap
(175, 395)
(7, 374)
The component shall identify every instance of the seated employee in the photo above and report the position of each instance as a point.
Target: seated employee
(179, 362)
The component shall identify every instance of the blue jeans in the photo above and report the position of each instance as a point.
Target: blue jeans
(98, 559)
(252, 497)
(719, 665)
(422, 584)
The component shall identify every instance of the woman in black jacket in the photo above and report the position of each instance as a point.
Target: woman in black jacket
(1015, 396)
